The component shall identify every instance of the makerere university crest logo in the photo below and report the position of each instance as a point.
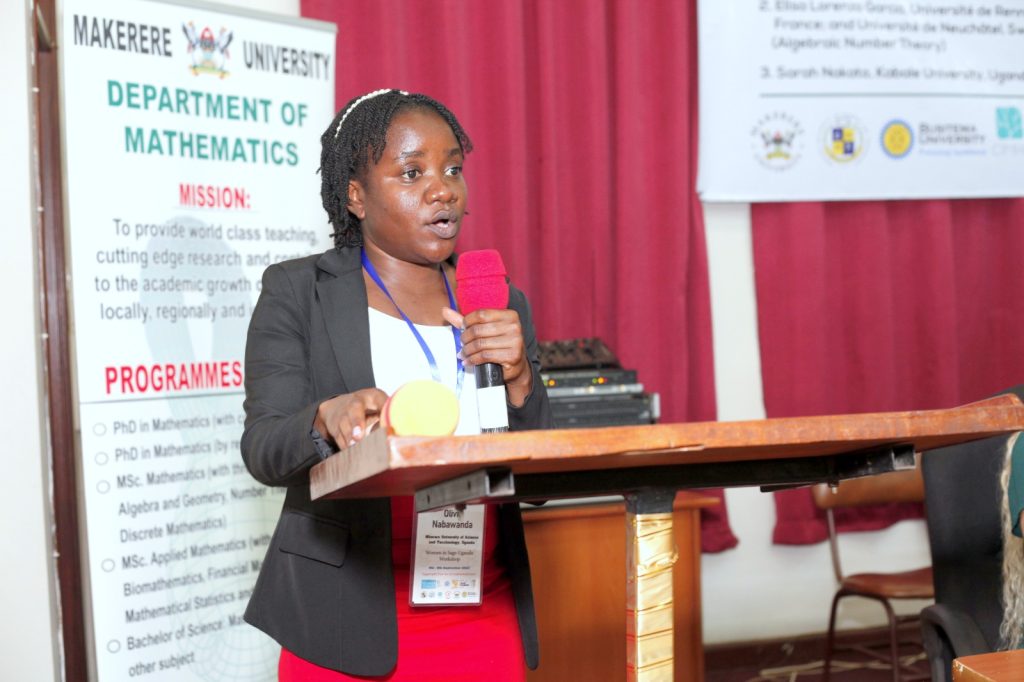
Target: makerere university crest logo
(209, 54)
(777, 140)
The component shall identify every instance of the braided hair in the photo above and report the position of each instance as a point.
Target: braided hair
(357, 134)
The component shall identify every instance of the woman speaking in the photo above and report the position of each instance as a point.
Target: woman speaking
(331, 337)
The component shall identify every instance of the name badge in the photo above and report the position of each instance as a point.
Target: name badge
(447, 557)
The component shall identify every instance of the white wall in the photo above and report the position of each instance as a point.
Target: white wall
(28, 647)
(760, 590)
(288, 8)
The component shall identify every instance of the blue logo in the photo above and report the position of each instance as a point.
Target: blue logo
(428, 584)
(843, 139)
(1008, 123)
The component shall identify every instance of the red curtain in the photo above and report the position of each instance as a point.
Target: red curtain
(879, 306)
(583, 114)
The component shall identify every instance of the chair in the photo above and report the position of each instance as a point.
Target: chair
(962, 505)
(903, 486)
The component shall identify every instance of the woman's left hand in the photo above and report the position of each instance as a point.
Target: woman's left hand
(496, 336)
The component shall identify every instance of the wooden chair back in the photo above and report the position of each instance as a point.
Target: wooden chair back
(898, 486)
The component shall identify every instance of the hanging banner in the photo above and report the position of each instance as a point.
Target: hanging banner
(860, 99)
(191, 142)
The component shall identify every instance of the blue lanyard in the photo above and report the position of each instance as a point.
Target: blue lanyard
(434, 370)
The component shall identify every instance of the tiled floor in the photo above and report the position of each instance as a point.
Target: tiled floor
(801, 661)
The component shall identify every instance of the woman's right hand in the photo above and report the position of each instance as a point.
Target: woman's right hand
(346, 419)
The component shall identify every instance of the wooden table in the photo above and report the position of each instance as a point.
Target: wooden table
(1000, 666)
(575, 462)
(647, 465)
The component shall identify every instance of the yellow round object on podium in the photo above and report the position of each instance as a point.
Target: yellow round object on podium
(421, 408)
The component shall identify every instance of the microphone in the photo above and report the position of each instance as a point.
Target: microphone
(481, 284)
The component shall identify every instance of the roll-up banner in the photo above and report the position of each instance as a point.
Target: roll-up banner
(191, 149)
(860, 99)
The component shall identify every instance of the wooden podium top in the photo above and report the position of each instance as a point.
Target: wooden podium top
(382, 465)
(998, 666)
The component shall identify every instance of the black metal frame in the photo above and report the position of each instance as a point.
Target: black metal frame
(651, 483)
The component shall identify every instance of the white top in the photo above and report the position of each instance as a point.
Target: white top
(397, 359)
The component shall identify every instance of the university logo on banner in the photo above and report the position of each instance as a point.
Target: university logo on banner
(1009, 125)
(843, 139)
(777, 140)
(209, 54)
(897, 139)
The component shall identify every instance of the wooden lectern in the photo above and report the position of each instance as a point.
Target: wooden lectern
(998, 666)
(647, 465)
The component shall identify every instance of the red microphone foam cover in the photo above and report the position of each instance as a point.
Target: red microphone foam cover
(480, 280)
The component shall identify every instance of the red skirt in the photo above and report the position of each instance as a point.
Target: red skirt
(449, 643)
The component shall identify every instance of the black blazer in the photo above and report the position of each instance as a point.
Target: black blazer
(326, 590)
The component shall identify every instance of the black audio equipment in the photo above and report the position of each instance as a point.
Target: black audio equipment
(587, 388)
